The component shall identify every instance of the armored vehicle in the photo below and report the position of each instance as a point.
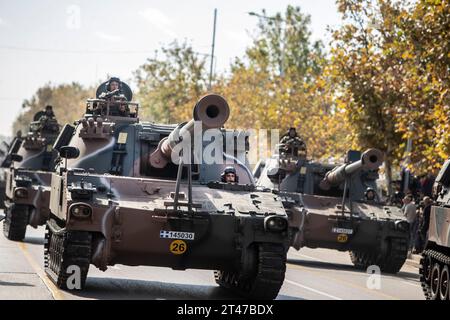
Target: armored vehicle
(120, 197)
(28, 165)
(340, 204)
(435, 261)
(2, 177)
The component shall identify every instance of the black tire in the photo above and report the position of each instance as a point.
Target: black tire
(395, 259)
(267, 278)
(435, 281)
(444, 284)
(392, 262)
(64, 249)
(16, 221)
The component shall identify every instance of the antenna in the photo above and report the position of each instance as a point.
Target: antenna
(212, 49)
(177, 185)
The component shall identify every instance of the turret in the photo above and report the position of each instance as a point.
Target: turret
(212, 110)
(372, 159)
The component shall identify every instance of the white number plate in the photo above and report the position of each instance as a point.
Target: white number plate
(176, 235)
(342, 231)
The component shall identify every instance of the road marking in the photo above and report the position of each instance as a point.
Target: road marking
(56, 293)
(320, 260)
(346, 283)
(313, 290)
(412, 284)
(308, 257)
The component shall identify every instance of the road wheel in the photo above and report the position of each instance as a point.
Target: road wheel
(435, 281)
(425, 273)
(267, 278)
(16, 221)
(67, 256)
(443, 288)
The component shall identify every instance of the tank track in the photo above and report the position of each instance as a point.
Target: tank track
(16, 221)
(267, 279)
(390, 263)
(64, 248)
(437, 256)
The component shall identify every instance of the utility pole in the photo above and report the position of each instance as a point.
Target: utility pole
(212, 50)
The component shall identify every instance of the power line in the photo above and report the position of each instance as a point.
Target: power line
(30, 49)
(46, 50)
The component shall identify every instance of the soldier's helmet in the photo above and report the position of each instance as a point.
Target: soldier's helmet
(48, 112)
(113, 79)
(105, 87)
(370, 194)
(229, 170)
(292, 132)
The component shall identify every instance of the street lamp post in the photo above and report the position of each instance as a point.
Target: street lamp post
(281, 62)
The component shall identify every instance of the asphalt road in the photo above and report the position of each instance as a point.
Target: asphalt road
(311, 274)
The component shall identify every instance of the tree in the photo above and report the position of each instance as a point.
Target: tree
(168, 84)
(370, 75)
(68, 101)
(391, 61)
(426, 52)
(283, 46)
(279, 84)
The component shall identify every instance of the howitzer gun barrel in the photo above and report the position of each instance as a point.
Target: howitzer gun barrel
(213, 112)
(370, 160)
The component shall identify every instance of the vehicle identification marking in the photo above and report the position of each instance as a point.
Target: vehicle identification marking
(178, 247)
(342, 238)
(342, 230)
(163, 234)
(122, 138)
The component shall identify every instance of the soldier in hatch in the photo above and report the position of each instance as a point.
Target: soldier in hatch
(292, 144)
(114, 93)
(229, 175)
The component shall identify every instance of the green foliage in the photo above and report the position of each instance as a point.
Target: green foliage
(392, 61)
(279, 84)
(68, 101)
(167, 83)
(283, 47)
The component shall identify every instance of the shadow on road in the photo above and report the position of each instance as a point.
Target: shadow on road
(347, 267)
(117, 288)
(15, 284)
(323, 265)
(34, 240)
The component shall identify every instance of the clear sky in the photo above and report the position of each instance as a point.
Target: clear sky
(79, 40)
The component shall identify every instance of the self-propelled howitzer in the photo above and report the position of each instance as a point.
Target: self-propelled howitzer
(28, 165)
(341, 206)
(121, 199)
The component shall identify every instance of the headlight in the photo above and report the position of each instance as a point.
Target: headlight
(275, 224)
(402, 225)
(80, 210)
(21, 193)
